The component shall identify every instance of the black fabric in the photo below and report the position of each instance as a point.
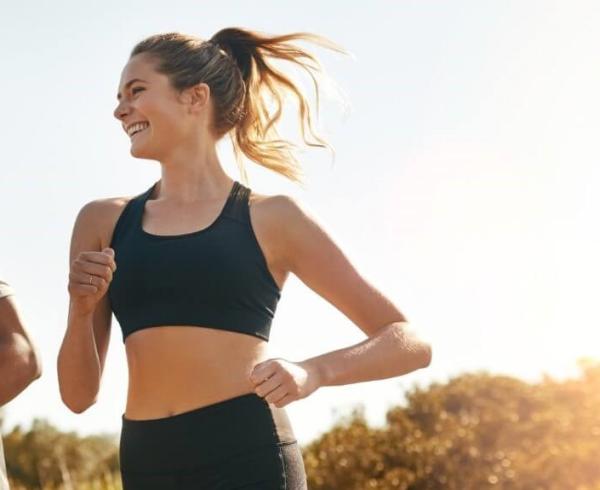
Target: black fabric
(234, 444)
(216, 277)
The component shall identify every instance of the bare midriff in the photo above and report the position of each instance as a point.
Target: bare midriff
(174, 368)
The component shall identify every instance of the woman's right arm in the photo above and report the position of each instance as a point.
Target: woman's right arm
(83, 350)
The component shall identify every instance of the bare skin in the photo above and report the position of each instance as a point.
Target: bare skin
(190, 366)
(20, 361)
(173, 369)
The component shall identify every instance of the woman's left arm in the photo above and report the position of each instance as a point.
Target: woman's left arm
(392, 351)
(391, 348)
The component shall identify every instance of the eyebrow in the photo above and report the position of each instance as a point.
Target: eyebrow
(128, 84)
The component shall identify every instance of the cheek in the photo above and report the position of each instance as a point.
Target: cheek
(171, 124)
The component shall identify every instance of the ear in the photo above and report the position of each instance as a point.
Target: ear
(197, 97)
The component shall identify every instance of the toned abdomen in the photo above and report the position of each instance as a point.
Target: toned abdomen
(173, 369)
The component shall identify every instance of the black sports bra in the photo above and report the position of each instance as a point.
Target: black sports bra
(216, 277)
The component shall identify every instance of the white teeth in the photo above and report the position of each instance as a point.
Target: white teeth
(137, 127)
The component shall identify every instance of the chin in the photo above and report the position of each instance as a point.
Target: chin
(141, 153)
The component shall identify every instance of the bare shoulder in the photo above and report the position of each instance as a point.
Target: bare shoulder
(273, 211)
(274, 218)
(274, 205)
(97, 218)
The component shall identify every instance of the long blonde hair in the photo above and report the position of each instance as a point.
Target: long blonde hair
(234, 65)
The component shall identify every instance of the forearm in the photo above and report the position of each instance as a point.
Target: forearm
(395, 350)
(19, 366)
(78, 364)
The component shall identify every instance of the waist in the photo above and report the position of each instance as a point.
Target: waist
(203, 437)
(173, 369)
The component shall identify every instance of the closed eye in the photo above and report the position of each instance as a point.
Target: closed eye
(136, 88)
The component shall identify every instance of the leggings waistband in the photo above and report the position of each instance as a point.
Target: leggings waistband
(210, 433)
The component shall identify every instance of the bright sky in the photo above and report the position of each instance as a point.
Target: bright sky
(463, 185)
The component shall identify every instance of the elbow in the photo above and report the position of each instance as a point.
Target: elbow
(24, 361)
(426, 355)
(35, 365)
(76, 409)
(80, 409)
(25, 357)
(77, 406)
(32, 371)
(74, 397)
(421, 351)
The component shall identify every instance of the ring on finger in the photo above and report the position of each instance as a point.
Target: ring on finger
(91, 277)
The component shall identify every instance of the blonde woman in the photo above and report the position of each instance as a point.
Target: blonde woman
(193, 268)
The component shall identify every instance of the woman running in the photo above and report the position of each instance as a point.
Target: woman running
(193, 268)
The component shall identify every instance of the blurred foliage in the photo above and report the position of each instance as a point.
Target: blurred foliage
(476, 431)
(45, 458)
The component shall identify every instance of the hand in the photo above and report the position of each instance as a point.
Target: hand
(280, 382)
(89, 277)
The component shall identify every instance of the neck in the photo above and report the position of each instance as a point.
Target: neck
(192, 175)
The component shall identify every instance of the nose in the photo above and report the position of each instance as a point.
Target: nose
(120, 111)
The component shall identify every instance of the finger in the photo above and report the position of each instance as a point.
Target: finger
(78, 289)
(269, 385)
(287, 399)
(276, 394)
(111, 255)
(87, 279)
(94, 269)
(262, 373)
(98, 258)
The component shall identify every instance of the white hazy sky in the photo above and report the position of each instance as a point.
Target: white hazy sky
(463, 185)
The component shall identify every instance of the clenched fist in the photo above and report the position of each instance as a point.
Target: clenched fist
(89, 277)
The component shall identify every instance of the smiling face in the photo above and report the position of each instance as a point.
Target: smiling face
(146, 96)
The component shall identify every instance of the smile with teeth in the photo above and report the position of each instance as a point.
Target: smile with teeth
(138, 127)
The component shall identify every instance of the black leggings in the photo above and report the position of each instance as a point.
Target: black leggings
(239, 443)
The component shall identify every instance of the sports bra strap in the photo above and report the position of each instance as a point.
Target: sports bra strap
(237, 205)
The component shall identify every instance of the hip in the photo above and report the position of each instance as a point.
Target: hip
(236, 442)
